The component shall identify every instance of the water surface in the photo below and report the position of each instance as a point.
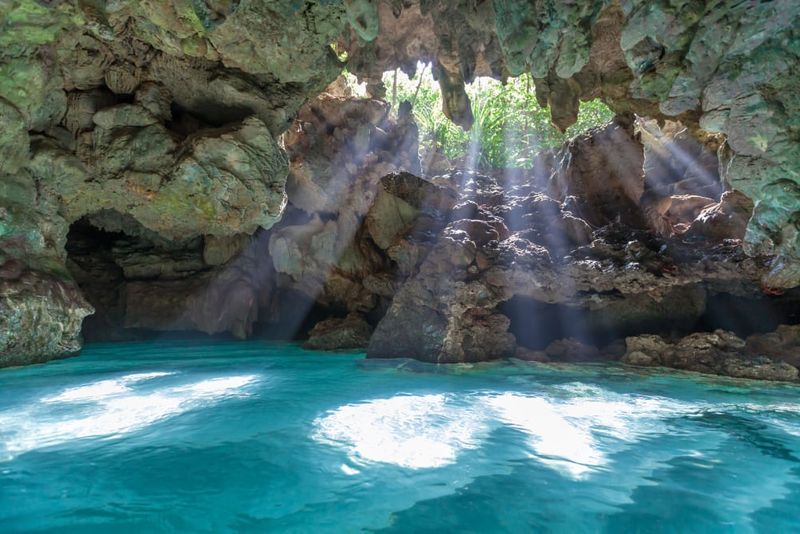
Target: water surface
(252, 437)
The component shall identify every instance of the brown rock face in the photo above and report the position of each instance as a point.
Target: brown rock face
(351, 332)
(503, 244)
(719, 352)
(726, 68)
(50, 307)
(157, 124)
(345, 210)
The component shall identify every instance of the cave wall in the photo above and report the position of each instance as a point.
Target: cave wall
(723, 67)
(163, 114)
(167, 115)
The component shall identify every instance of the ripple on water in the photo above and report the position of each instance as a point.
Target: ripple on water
(251, 438)
(108, 408)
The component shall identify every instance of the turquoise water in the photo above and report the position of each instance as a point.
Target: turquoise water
(249, 437)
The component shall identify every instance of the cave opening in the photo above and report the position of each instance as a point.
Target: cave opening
(510, 129)
(125, 272)
(91, 263)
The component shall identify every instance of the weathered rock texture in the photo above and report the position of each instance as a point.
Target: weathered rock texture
(724, 67)
(719, 352)
(153, 129)
(351, 332)
(153, 119)
(506, 241)
(345, 210)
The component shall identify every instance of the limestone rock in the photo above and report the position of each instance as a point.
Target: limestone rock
(218, 182)
(345, 156)
(719, 352)
(781, 345)
(40, 318)
(726, 219)
(498, 247)
(166, 114)
(351, 332)
(572, 350)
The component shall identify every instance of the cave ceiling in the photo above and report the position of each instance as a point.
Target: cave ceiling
(168, 113)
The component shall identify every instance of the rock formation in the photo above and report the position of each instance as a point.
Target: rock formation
(187, 165)
(719, 352)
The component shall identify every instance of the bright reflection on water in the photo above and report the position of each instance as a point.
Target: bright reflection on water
(409, 431)
(250, 437)
(107, 408)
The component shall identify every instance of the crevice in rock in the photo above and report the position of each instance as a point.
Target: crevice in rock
(91, 262)
(749, 315)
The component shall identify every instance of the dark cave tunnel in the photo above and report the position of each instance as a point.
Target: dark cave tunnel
(536, 324)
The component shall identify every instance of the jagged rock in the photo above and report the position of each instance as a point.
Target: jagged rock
(613, 195)
(343, 153)
(351, 332)
(219, 250)
(725, 69)
(719, 352)
(783, 344)
(726, 219)
(529, 355)
(218, 182)
(760, 369)
(402, 201)
(477, 263)
(676, 163)
(572, 350)
(167, 113)
(41, 304)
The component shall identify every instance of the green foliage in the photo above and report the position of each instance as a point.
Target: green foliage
(510, 127)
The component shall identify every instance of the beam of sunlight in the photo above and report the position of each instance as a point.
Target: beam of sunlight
(667, 147)
(473, 150)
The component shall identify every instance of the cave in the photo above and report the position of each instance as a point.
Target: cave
(296, 248)
(536, 324)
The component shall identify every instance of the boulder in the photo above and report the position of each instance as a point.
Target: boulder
(351, 332)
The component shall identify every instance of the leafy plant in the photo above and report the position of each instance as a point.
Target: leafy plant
(510, 127)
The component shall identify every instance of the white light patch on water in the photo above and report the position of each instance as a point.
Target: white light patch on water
(574, 435)
(565, 445)
(102, 389)
(349, 471)
(409, 431)
(107, 408)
